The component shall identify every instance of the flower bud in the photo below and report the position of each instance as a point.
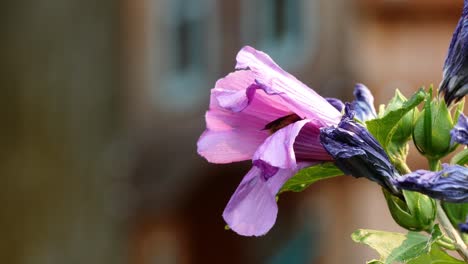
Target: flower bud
(364, 103)
(459, 133)
(454, 84)
(450, 184)
(416, 212)
(431, 132)
(356, 152)
(337, 103)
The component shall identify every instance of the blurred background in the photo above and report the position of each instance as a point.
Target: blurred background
(103, 102)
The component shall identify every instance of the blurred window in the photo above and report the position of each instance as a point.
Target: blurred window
(282, 28)
(189, 51)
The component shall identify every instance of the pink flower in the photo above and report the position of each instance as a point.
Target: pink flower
(262, 113)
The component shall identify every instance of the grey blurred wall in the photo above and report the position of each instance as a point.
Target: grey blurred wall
(60, 121)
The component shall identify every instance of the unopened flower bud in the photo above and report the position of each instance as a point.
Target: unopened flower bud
(415, 212)
(337, 103)
(356, 152)
(454, 84)
(364, 103)
(450, 184)
(431, 132)
(459, 133)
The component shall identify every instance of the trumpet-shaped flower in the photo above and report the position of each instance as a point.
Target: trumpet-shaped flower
(450, 184)
(459, 133)
(356, 152)
(262, 113)
(455, 76)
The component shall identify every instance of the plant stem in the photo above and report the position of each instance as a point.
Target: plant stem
(451, 232)
(447, 245)
(442, 217)
(444, 221)
(402, 167)
(447, 239)
(434, 164)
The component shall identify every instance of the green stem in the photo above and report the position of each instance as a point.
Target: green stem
(434, 164)
(447, 239)
(457, 243)
(402, 167)
(447, 245)
(444, 221)
(451, 232)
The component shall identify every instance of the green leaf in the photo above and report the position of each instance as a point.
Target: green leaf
(397, 247)
(404, 127)
(307, 176)
(461, 158)
(383, 128)
(456, 212)
(436, 256)
(382, 242)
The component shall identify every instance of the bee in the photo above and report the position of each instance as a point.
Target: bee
(281, 122)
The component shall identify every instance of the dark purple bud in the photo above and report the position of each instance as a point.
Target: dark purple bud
(450, 184)
(459, 133)
(337, 103)
(364, 103)
(454, 84)
(357, 152)
(463, 227)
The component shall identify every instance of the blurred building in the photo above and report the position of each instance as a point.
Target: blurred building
(105, 101)
(175, 51)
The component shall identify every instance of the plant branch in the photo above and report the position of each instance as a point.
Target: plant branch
(434, 164)
(451, 232)
(401, 166)
(446, 245)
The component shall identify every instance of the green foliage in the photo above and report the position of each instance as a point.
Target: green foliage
(398, 147)
(385, 127)
(461, 158)
(431, 133)
(404, 127)
(307, 176)
(411, 248)
(416, 212)
(435, 256)
(456, 212)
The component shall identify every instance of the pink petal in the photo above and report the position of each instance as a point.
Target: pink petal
(234, 136)
(252, 209)
(299, 141)
(245, 101)
(307, 146)
(238, 89)
(275, 81)
(277, 150)
(230, 145)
